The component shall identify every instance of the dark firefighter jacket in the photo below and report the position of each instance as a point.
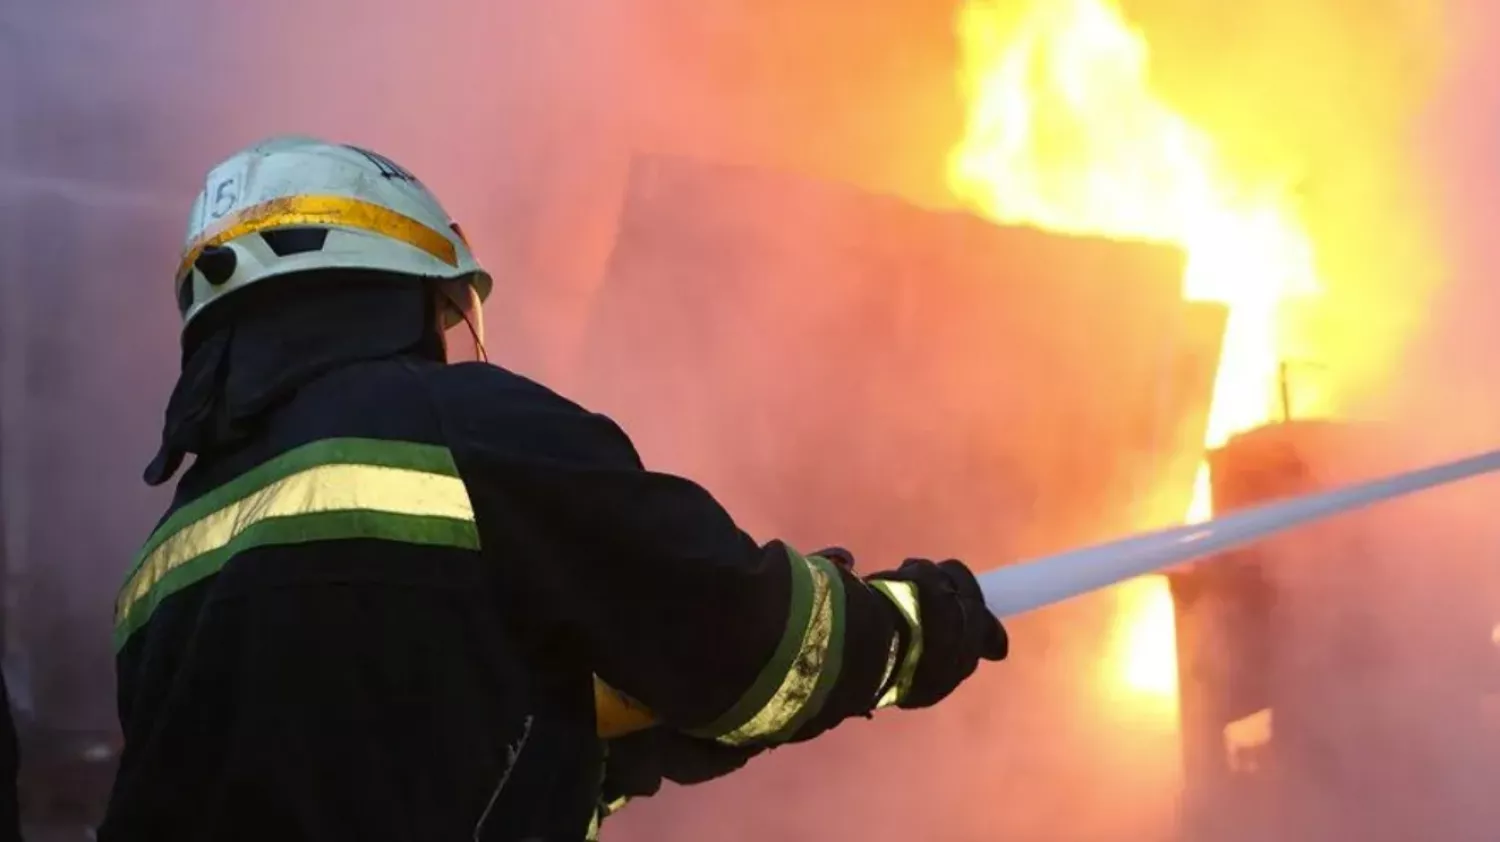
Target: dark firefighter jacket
(10, 809)
(378, 617)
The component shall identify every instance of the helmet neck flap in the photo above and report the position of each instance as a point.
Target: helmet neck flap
(251, 355)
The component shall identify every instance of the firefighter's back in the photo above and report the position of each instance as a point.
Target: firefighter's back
(309, 645)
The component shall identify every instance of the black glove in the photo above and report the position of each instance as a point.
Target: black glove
(839, 556)
(957, 629)
(635, 765)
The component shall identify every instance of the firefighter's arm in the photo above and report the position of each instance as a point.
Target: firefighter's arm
(618, 715)
(693, 625)
(680, 612)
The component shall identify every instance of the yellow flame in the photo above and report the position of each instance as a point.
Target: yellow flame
(1148, 637)
(1065, 132)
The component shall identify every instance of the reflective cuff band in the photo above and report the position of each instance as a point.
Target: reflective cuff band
(890, 666)
(794, 684)
(904, 596)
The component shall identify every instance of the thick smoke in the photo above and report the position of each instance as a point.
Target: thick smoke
(523, 116)
(1447, 386)
(1443, 397)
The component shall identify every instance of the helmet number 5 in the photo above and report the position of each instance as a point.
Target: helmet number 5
(224, 192)
(225, 195)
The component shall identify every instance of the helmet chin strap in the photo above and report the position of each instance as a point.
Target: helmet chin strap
(477, 331)
(471, 314)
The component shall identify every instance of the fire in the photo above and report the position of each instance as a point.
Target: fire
(1065, 132)
(1148, 637)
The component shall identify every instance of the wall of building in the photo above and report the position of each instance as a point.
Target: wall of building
(1350, 660)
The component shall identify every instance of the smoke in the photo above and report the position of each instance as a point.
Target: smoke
(524, 116)
(1440, 548)
(1384, 619)
(1446, 388)
(1363, 646)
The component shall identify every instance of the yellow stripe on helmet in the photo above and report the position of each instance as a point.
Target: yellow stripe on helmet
(340, 211)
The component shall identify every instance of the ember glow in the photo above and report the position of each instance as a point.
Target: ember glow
(1065, 132)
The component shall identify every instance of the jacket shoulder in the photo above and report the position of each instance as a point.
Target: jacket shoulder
(490, 383)
(488, 408)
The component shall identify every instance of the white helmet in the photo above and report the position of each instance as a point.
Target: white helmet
(295, 204)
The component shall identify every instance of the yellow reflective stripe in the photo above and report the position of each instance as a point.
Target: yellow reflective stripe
(891, 658)
(798, 684)
(602, 812)
(904, 596)
(315, 490)
(341, 211)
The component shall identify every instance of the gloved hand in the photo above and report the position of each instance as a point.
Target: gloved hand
(957, 630)
(839, 556)
(636, 764)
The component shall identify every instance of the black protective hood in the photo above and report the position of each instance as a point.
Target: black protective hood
(256, 349)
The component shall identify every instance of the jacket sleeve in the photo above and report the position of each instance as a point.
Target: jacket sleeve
(671, 602)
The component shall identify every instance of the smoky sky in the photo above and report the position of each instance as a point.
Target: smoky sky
(524, 117)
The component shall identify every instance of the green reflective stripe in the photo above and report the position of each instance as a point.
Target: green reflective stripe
(827, 663)
(427, 458)
(799, 613)
(296, 529)
(904, 596)
(803, 681)
(797, 680)
(402, 492)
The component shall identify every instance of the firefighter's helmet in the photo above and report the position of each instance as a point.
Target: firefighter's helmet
(296, 204)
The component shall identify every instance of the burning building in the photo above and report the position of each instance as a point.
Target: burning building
(1334, 684)
(843, 366)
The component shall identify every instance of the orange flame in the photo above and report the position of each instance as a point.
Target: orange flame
(1065, 132)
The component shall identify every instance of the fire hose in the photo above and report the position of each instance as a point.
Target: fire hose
(1026, 586)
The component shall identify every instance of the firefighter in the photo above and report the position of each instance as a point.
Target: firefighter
(394, 580)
